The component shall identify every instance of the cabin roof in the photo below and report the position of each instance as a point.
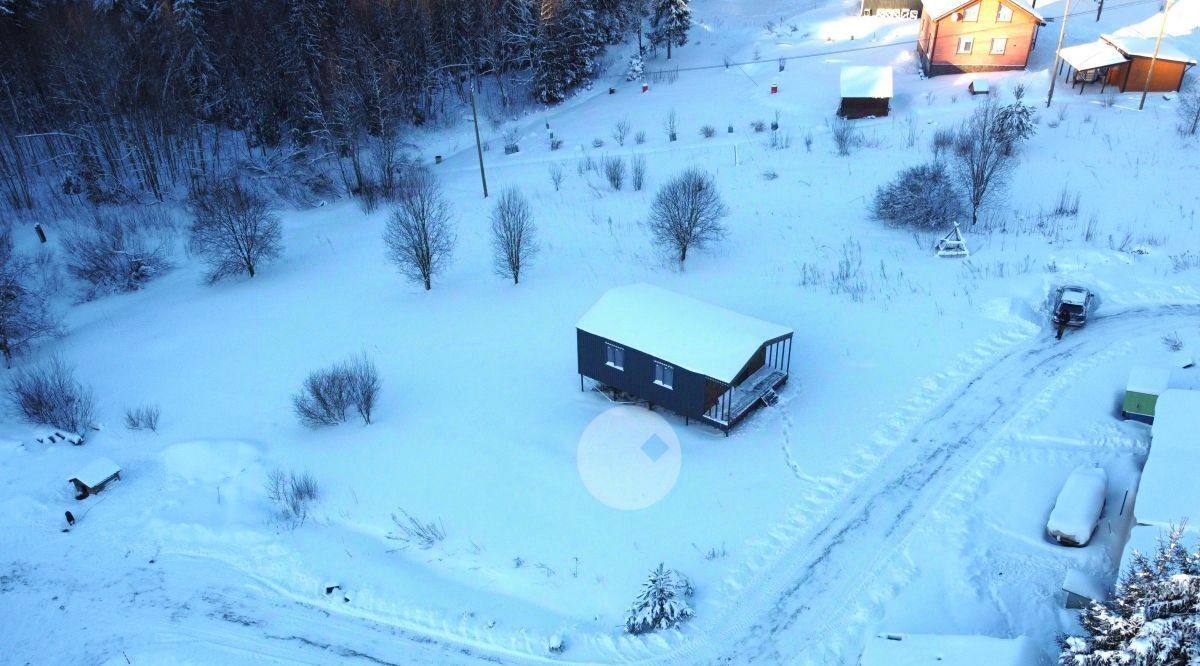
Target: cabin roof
(96, 472)
(1092, 55)
(1148, 380)
(867, 81)
(934, 650)
(940, 9)
(701, 337)
(1167, 492)
(1134, 44)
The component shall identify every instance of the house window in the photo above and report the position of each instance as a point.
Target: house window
(664, 375)
(998, 45)
(1005, 14)
(971, 13)
(614, 356)
(965, 44)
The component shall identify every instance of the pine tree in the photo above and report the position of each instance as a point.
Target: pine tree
(670, 23)
(564, 49)
(662, 603)
(637, 68)
(1153, 618)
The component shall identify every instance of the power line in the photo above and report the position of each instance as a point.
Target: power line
(821, 54)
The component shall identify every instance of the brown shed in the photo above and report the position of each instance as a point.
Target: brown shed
(866, 91)
(1124, 62)
(976, 35)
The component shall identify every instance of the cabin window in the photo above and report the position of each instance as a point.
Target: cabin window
(664, 375)
(971, 13)
(614, 356)
(1005, 14)
(998, 45)
(965, 44)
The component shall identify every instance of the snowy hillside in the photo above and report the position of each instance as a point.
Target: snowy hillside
(901, 484)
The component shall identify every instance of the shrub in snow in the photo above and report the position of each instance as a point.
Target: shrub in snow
(943, 140)
(25, 316)
(708, 131)
(1189, 109)
(49, 394)
(556, 644)
(514, 240)
(328, 394)
(556, 176)
(759, 126)
(637, 68)
(234, 230)
(116, 254)
(142, 417)
(621, 132)
(412, 532)
(662, 603)
(418, 235)
(640, 137)
(292, 494)
(614, 172)
(1152, 618)
(845, 135)
(687, 213)
(923, 197)
(638, 171)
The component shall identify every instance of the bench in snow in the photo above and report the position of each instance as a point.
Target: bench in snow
(56, 436)
(1078, 507)
(94, 477)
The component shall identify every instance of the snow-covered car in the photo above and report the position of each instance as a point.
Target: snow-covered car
(1078, 507)
(1072, 304)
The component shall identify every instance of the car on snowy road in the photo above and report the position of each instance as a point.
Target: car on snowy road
(1078, 507)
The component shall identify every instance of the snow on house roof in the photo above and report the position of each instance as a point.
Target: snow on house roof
(1151, 381)
(867, 81)
(1132, 44)
(96, 472)
(691, 334)
(1092, 55)
(938, 9)
(941, 650)
(1167, 493)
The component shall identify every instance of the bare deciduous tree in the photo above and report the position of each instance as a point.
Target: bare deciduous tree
(621, 132)
(235, 230)
(419, 235)
(687, 213)
(514, 239)
(982, 158)
(25, 316)
(1189, 109)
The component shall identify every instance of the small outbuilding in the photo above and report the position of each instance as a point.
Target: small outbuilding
(694, 358)
(1082, 590)
(1168, 492)
(1142, 391)
(94, 477)
(1123, 61)
(866, 91)
(903, 9)
(947, 650)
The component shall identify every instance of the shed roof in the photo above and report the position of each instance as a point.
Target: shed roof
(1133, 44)
(867, 81)
(96, 472)
(939, 9)
(940, 650)
(1148, 380)
(1092, 55)
(1168, 492)
(686, 332)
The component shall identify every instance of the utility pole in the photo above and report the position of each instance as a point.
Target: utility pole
(1062, 33)
(478, 143)
(1099, 8)
(1162, 29)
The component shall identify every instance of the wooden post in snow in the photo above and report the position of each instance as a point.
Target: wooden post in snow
(1162, 28)
(1062, 33)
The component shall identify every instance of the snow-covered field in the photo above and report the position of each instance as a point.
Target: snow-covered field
(902, 484)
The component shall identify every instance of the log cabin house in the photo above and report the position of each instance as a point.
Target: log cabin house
(699, 360)
(1123, 61)
(959, 36)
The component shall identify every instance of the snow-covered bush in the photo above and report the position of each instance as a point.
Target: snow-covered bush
(922, 197)
(638, 171)
(1015, 122)
(49, 394)
(514, 240)
(556, 644)
(111, 254)
(614, 172)
(637, 68)
(943, 140)
(328, 394)
(662, 603)
(234, 229)
(25, 315)
(1153, 617)
(640, 137)
(621, 132)
(413, 532)
(708, 131)
(418, 235)
(845, 135)
(687, 213)
(142, 417)
(292, 494)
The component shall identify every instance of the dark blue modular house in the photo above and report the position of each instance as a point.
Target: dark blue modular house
(696, 359)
